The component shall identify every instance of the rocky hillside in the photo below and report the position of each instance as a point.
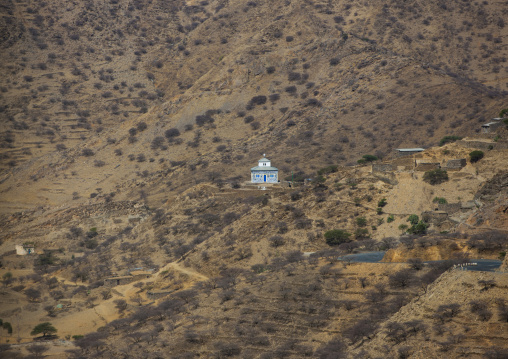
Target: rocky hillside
(129, 128)
(101, 95)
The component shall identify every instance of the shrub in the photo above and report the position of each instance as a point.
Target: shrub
(87, 152)
(313, 102)
(276, 241)
(294, 76)
(327, 170)
(440, 200)
(418, 228)
(274, 97)
(258, 100)
(382, 202)
(413, 219)
(255, 125)
(370, 158)
(362, 233)
(141, 126)
(172, 132)
(449, 139)
(334, 61)
(204, 119)
(475, 156)
(336, 236)
(361, 221)
(436, 176)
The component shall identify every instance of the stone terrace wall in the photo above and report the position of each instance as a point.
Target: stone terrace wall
(383, 167)
(450, 207)
(456, 165)
(480, 145)
(423, 167)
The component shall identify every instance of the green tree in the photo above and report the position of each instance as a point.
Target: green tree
(436, 176)
(337, 236)
(475, 156)
(382, 202)
(44, 328)
(367, 158)
(413, 219)
(390, 218)
(418, 228)
(503, 112)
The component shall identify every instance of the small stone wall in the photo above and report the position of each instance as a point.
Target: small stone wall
(450, 207)
(456, 165)
(157, 294)
(434, 217)
(114, 281)
(480, 145)
(383, 167)
(423, 166)
(406, 153)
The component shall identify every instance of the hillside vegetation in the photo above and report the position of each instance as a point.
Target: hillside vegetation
(128, 132)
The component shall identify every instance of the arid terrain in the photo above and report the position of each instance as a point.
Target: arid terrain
(128, 130)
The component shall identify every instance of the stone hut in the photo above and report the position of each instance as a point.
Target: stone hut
(492, 125)
(264, 172)
(456, 165)
(121, 280)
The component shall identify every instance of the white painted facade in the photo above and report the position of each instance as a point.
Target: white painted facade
(264, 172)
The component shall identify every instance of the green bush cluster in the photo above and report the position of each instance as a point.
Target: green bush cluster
(335, 237)
(417, 226)
(436, 176)
(475, 156)
(449, 139)
(367, 158)
(382, 202)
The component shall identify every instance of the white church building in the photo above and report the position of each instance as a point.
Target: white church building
(264, 172)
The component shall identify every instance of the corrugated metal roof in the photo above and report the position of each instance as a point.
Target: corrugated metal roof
(410, 149)
(264, 168)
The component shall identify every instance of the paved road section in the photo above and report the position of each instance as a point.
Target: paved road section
(487, 265)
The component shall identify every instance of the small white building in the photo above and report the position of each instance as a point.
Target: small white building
(24, 249)
(264, 172)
